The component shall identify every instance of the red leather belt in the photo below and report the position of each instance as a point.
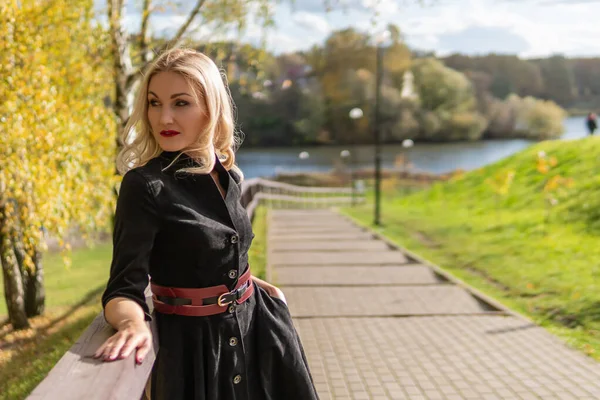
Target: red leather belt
(200, 302)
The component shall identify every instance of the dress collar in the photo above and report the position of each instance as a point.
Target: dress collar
(185, 161)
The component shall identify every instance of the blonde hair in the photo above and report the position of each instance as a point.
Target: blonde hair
(209, 88)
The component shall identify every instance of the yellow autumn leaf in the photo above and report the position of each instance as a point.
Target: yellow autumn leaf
(57, 163)
(552, 183)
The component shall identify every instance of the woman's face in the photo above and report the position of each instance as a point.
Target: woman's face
(175, 118)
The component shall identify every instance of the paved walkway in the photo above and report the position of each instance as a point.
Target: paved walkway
(377, 325)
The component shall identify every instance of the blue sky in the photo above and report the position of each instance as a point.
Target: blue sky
(530, 28)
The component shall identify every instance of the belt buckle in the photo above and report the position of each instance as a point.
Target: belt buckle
(222, 303)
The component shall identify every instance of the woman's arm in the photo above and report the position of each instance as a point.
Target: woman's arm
(128, 318)
(270, 289)
(136, 225)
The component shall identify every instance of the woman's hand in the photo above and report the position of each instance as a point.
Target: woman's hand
(274, 291)
(131, 335)
(271, 290)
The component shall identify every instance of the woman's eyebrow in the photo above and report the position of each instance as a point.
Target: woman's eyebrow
(172, 96)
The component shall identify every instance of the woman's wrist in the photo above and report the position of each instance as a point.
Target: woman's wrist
(127, 323)
(121, 312)
(261, 283)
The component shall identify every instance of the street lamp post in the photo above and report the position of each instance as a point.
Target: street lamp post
(345, 155)
(376, 121)
(354, 114)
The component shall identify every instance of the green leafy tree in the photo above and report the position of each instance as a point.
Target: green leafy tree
(345, 68)
(131, 54)
(448, 103)
(537, 118)
(508, 73)
(586, 73)
(560, 83)
(279, 116)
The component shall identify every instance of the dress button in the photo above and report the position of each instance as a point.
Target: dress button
(234, 239)
(231, 309)
(233, 341)
(232, 274)
(237, 379)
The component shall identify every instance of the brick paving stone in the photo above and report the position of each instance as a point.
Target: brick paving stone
(344, 275)
(458, 352)
(345, 245)
(349, 257)
(392, 341)
(317, 301)
(310, 222)
(282, 232)
(294, 213)
(310, 217)
(318, 222)
(491, 397)
(303, 221)
(329, 236)
(433, 395)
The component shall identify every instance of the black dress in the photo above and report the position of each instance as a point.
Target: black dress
(177, 228)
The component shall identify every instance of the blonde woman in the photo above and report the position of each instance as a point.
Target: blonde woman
(223, 333)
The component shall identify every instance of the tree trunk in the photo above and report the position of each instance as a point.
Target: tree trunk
(13, 282)
(32, 280)
(121, 65)
(13, 285)
(35, 294)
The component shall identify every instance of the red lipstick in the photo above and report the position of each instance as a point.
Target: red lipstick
(169, 133)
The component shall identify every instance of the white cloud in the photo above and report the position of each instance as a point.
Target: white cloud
(548, 26)
(384, 7)
(561, 28)
(286, 43)
(312, 22)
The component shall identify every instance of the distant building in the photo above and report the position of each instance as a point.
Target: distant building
(408, 90)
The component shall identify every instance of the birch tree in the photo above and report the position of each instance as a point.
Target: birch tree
(56, 147)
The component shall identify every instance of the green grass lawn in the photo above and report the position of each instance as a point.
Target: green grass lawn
(73, 301)
(257, 257)
(541, 261)
(66, 286)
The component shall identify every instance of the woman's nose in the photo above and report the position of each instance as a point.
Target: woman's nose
(166, 117)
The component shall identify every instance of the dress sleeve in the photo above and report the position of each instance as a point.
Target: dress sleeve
(136, 226)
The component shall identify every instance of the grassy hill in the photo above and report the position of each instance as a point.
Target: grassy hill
(532, 242)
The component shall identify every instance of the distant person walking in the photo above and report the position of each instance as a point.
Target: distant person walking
(591, 123)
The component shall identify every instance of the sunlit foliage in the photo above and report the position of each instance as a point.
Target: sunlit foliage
(57, 144)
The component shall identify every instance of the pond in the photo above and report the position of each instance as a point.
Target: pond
(430, 157)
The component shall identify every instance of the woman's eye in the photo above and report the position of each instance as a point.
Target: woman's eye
(153, 103)
(181, 103)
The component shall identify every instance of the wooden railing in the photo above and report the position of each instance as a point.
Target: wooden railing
(277, 194)
(78, 376)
